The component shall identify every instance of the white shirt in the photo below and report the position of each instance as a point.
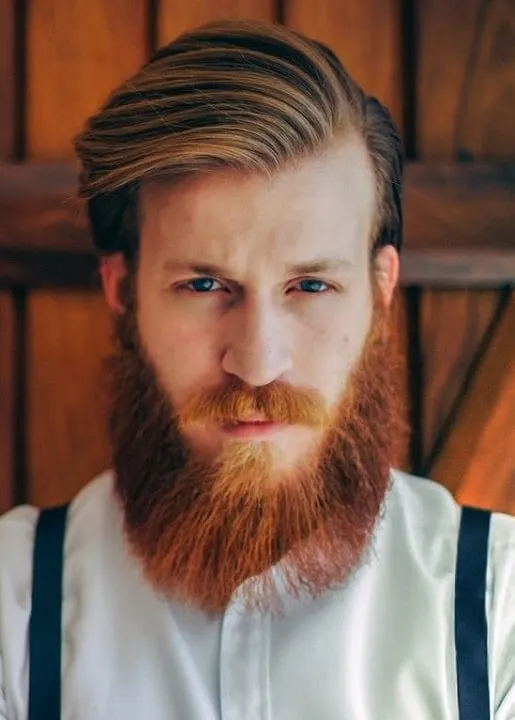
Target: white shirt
(379, 648)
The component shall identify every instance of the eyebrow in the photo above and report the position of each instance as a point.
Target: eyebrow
(319, 265)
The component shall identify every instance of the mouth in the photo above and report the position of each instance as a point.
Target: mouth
(251, 429)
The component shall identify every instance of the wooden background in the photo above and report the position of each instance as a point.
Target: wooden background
(446, 68)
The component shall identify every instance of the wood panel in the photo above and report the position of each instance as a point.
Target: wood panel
(487, 120)
(77, 52)
(466, 79)
(459, 205)
(68, 334)
(447, 35)
(453, 324)
(7, 399)
(465, 75)
(365, 35)
(452, 330)
(7, 87)
(477, 461)
(176, 16)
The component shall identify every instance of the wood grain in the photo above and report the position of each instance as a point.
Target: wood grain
(176, 16)
(465, 80)
(7, 85)
(7, 400)
(478, 459)
(452, 330)
(365, 35)
(487, 127)
(447, 33)
(68, 336)
(77, 52)
(452, 325)
(459, 204)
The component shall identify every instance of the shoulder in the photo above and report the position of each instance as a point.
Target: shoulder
(17, 533)
(425, 517)
(18, 526)
(86, 513)
(17, 530)
(420, 511)
(425, 507)
(421, 520)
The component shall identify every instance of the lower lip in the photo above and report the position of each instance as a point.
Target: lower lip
(251, 429)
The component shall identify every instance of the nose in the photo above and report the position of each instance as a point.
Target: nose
(257, 351)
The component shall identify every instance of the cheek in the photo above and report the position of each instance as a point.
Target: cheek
(335, 341)
(183, 353)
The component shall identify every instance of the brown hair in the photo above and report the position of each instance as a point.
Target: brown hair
(245, 95)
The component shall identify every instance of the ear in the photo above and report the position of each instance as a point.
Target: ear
(386, 273)
(112, 269)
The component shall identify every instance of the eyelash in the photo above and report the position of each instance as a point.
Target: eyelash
(187, 286)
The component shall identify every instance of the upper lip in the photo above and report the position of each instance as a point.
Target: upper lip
(254, 419)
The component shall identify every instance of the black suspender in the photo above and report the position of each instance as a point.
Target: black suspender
(471, 632)
(470, 619)
(45, 619)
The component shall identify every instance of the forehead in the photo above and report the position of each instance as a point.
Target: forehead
(321, 205)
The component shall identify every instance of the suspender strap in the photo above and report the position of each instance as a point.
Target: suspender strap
(471, 632)
(45, 619)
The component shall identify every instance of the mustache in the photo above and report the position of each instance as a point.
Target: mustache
(276, 402)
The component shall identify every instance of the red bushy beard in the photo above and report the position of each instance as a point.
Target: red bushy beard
(202, 526)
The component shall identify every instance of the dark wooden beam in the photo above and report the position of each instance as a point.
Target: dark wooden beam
(463, 206)
(7, 82)
(459, 226)
(39, 210)
(47, 268)
(473, 268)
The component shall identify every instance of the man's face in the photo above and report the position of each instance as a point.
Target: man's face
(229, 286)
(254, 409)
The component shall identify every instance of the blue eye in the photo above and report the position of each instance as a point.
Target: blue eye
(202, 285)
(313, 286)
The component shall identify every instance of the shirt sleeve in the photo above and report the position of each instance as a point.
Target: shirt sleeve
(501, 615)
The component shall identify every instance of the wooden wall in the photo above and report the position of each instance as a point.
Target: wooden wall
(446, 69)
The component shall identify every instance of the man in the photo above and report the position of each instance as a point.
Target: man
(252, 554)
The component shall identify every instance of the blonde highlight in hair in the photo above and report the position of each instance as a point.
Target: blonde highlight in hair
(249, 96)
